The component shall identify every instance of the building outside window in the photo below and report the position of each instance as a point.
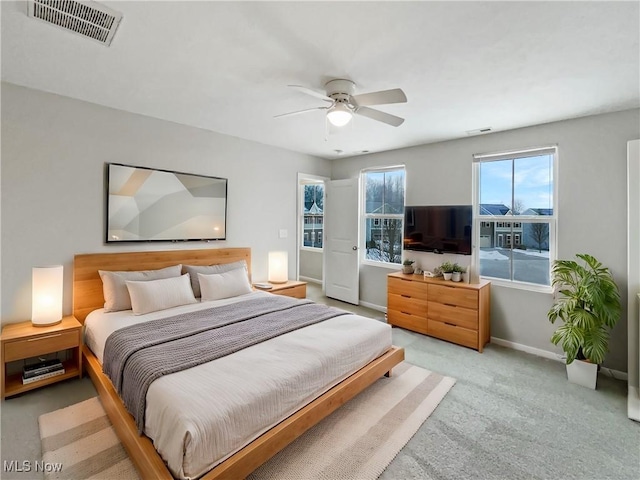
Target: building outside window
(313, 213)
(509, 185)
(383, 214)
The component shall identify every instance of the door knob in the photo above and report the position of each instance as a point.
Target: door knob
(354, 248)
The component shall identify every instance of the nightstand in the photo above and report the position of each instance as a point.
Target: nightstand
(292, 288)
(22, 340)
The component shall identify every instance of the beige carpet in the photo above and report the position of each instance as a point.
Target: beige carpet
(357, 441)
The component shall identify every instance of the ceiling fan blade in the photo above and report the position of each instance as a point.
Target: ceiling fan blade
(380, 116)
(383, 97)
(313, 93)
(300, 111)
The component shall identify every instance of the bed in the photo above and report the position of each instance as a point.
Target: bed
(296, 415)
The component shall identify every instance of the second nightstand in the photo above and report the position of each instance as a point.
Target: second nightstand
(291, 288)
(22, 340)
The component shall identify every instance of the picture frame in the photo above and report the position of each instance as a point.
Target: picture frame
(144, 204)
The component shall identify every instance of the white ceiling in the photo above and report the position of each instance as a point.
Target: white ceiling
(225, 66)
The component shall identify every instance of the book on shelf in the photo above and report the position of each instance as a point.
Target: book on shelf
(42, 376)
(40, 368)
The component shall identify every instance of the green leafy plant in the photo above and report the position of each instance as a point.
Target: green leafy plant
(408, 262)
(588, 303)
(447, 267)
(458, 268)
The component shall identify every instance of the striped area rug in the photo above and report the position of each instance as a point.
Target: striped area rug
(82, 441)
(358, 441)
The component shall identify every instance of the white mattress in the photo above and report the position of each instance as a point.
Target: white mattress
(200, 416)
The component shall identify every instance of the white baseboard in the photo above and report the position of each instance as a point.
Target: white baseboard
(610, 372)
(309, 280)
(525, 348)
(633, 404)
(373, 306)
(554, 356)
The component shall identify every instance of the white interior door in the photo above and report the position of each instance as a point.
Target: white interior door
(341, 241)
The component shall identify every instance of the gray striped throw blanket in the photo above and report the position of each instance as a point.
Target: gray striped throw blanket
(137, 355)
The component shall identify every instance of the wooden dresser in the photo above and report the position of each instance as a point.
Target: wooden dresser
(453, 311)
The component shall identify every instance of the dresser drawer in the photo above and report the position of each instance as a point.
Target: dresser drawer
(453, 333)
(460, 316)
(40, 345)
(461, 297)
(415, 323)
(413, 306)
(407, 288)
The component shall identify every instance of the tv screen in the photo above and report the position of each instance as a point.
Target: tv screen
(144, 204)
(438, 229)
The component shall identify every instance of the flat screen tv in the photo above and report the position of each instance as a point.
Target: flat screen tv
(145, 205)
(438, 229)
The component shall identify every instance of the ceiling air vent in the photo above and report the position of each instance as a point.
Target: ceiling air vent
(86, 18)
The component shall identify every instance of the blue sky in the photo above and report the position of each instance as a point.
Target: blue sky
(533, 182)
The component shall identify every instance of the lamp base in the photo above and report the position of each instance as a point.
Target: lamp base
(48, 324)
(279, 282)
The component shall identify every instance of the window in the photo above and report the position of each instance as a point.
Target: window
(313, 213)
(516, 184)
(383, 214)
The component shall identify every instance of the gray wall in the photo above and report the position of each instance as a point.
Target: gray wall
(53, 154)
(592, 210)
(54, 150)
(311, 265)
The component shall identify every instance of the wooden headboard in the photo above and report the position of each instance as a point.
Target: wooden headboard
(87, 285)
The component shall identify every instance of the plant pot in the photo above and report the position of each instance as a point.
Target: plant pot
(583, 373)
(465, 277)
(456, 277)
(447, 275)
(407, 269)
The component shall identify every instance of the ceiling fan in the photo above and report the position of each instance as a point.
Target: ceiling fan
(342, 104)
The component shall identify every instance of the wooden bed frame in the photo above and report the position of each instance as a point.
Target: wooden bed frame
(88, 296)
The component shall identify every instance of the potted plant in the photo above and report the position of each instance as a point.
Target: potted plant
(447, 270)
(407, 266)
(456, 275)
(588, 303)
(465, 274)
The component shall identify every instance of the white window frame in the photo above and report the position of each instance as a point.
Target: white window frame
(364, 216)
(552, 220)
(304, 180)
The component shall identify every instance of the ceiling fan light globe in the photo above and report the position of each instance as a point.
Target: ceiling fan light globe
(339, 115)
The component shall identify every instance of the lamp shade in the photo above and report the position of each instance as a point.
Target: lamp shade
(278, 267)
(46, 295)
(339, 115)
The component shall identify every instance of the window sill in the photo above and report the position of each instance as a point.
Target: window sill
(311, 249)
(519, 285)
(388, 266)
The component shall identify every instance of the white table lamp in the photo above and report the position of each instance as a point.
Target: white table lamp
(46, 295)
(278, 268)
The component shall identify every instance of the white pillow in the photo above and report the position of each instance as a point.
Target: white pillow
(153, 295)
(224, 285)
(114, 288)
(194, 270)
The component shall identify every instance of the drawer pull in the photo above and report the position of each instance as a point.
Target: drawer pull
(43, 338)
(406, 313)
(450, 305)
(450, 324)
(406, 296)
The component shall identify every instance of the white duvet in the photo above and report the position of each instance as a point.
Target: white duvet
(200, 416)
